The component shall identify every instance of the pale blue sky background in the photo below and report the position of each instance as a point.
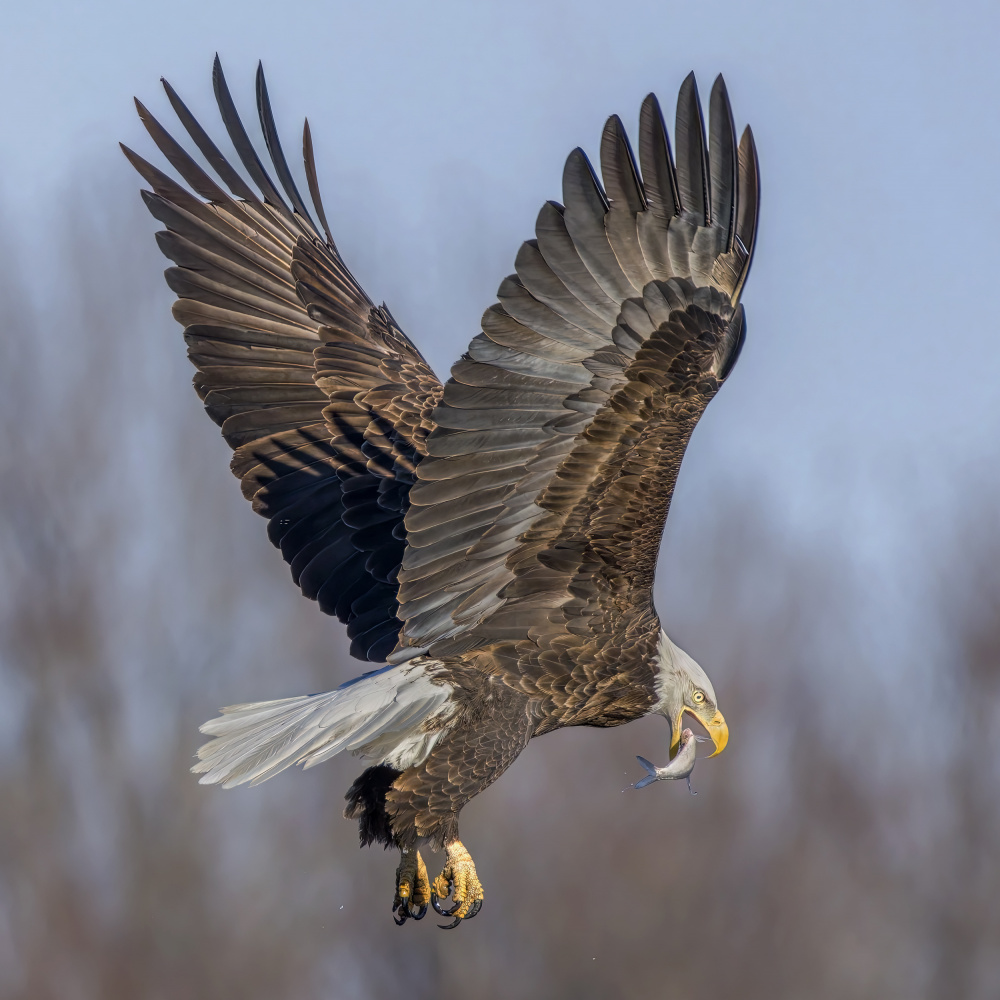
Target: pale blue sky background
(863, 421)
(865, 403)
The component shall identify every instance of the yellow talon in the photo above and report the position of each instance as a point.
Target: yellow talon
(459, 878)
(413, 890)
(422, 889)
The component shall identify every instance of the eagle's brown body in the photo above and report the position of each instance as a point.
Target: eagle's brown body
(497, 718)
(496, 536)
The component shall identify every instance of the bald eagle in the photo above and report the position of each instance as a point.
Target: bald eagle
(490, 541)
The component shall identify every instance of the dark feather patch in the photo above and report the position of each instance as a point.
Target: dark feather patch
(366, 803)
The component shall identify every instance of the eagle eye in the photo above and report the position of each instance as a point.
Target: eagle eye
(698, 697)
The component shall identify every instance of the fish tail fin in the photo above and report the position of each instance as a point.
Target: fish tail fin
(650, 773)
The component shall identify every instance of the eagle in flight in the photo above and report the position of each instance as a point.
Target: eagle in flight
(489, 542)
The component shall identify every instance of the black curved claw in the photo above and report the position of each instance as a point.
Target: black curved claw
(476, 907)
(403, 910)
(452, 925)
(436, 903)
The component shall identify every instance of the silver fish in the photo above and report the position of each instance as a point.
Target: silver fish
(680, 767)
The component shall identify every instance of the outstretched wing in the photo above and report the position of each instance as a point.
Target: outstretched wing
(324, 400)
(539, 509)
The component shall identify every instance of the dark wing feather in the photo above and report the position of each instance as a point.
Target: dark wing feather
(692, 161)
(273, 143)
(208, 149)
(243, 146)
(540, 506)
(324, 400)
(748, 208)
(310, 166)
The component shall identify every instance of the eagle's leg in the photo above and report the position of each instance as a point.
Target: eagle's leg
(458, 878)
(413, 888)
(423, 803)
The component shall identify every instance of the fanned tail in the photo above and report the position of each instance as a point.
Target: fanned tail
(395, 714)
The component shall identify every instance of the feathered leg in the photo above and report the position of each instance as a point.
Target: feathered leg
(424, 801)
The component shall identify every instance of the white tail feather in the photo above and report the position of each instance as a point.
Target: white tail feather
(395, 714)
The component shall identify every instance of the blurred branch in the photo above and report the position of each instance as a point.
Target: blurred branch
(138, 592)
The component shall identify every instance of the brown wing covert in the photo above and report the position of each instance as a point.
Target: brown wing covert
(622, 311)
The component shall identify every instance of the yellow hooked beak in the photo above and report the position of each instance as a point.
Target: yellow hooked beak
(715, 724)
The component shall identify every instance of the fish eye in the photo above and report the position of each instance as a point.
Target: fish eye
(698, 697)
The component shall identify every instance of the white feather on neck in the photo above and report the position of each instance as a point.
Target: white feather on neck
(675, 671)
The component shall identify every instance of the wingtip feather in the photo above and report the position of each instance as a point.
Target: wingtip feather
(658, 175)
(312, 180)
(748, 203)
(273, 142)
(690, 152)
(722, 160)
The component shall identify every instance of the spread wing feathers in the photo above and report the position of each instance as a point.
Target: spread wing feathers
(622, 316)
(396, 715)
(324, 400)
(582, 578)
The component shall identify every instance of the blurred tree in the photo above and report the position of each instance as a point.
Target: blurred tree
(137, 594)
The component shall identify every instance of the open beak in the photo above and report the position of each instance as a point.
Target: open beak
(715, 725)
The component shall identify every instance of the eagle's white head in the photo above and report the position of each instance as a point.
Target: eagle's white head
(682, 686)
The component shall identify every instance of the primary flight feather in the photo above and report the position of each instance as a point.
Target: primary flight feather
(491, 541)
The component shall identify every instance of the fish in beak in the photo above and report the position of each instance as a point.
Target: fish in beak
(711, 718)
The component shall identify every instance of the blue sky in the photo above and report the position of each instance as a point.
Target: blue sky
(864, 404)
